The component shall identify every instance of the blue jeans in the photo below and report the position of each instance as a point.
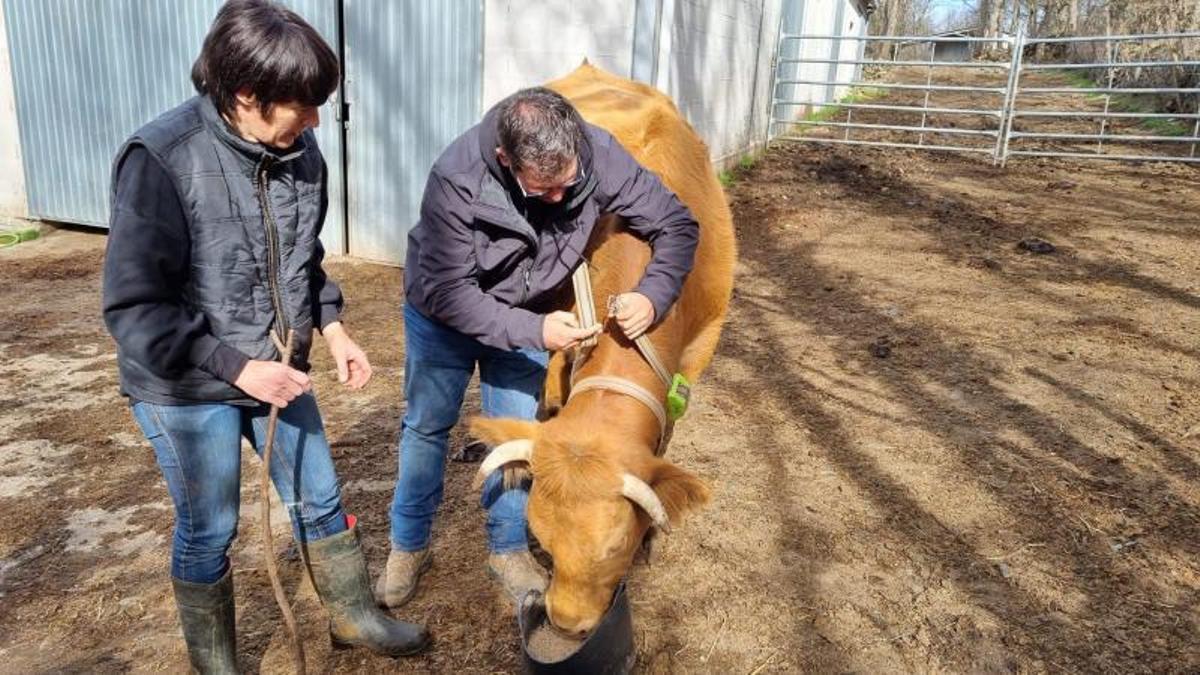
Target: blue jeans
(198, 448)
(438, 364)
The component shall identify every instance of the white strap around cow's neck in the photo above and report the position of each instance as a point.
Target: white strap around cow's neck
(623, 386)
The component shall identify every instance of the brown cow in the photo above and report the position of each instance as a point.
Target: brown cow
(597, 484)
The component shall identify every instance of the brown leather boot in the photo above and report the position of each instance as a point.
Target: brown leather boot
(398, 583)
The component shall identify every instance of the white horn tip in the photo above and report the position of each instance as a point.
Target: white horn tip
(520, 450)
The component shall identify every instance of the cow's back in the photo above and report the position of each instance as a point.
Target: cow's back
(649, 126)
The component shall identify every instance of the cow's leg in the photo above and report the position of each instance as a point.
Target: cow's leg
(554, 393)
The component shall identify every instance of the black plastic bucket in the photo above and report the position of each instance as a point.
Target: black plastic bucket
(608, 650)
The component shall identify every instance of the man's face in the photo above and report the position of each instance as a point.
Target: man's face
(549, 189)
(279, 127)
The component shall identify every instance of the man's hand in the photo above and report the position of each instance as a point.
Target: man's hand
(634, 314)
(561, 331)
(272, 382)
(354, 370)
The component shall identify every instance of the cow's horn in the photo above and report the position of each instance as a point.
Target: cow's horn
(520, 450)
(640, 493)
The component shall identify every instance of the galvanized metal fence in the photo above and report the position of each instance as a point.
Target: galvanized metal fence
(999, 107)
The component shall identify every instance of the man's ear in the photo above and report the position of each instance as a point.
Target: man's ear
(502, 157)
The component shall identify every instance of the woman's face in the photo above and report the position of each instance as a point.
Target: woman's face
(279, 127)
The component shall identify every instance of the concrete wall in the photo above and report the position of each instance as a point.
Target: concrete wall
(713, 57)
(716, 64)
(527, 43)
(12, 173)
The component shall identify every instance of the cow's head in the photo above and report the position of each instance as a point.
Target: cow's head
(591, 502)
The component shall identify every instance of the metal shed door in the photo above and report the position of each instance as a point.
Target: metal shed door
(413, 82)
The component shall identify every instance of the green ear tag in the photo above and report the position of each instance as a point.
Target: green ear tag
(677, 398)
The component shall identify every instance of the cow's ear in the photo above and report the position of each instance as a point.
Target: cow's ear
(679, 491)
(494, 430)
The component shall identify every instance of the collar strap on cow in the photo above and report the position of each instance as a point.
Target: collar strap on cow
(623, 386)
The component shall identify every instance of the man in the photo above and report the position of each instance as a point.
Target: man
(507, 212)
(213, 253)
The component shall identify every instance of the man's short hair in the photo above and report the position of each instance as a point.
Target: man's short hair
(268, 49)
(540, 131)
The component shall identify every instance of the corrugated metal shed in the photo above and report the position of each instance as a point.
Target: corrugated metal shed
(414, 81)
(87, 74)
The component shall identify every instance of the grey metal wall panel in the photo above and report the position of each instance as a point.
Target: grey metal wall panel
(87, 73)
(414, 80)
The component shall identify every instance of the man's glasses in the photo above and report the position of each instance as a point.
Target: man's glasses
(542, 193)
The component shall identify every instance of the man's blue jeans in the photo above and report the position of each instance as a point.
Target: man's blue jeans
(438, 364)
(198, 448)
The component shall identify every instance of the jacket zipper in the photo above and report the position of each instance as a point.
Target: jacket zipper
(273, 257)
(525, 291)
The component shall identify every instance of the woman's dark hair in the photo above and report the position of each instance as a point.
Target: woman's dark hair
(540, 131)
(268, 49)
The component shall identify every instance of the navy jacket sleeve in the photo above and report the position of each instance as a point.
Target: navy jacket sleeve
(326, 296)
(145, 270)
(446, 263)
(655, 214)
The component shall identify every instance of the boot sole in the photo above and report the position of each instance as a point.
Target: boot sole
(412, 592)
(339, 645)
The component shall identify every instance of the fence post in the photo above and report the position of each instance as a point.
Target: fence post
(1112, 75)
(1008, 108)
(928, 84)
(1196, 131)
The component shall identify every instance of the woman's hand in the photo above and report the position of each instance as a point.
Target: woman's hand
(353, 369)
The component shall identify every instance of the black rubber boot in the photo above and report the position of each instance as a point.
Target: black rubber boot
(206, 615)
(339, 573)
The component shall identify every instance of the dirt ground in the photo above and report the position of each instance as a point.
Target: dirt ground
(932, 451)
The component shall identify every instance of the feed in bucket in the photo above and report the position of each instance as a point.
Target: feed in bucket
(550, 646)
(608, 649)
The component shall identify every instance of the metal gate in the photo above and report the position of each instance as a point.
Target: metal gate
(1011, 101)
(87, 74)
(414, 80)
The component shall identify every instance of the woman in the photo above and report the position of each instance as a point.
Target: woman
(213, 255)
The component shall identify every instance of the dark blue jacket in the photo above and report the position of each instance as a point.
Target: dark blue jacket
(483, 259)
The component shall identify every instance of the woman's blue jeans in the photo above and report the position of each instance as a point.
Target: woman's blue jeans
(198, 448)
(438, 364)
